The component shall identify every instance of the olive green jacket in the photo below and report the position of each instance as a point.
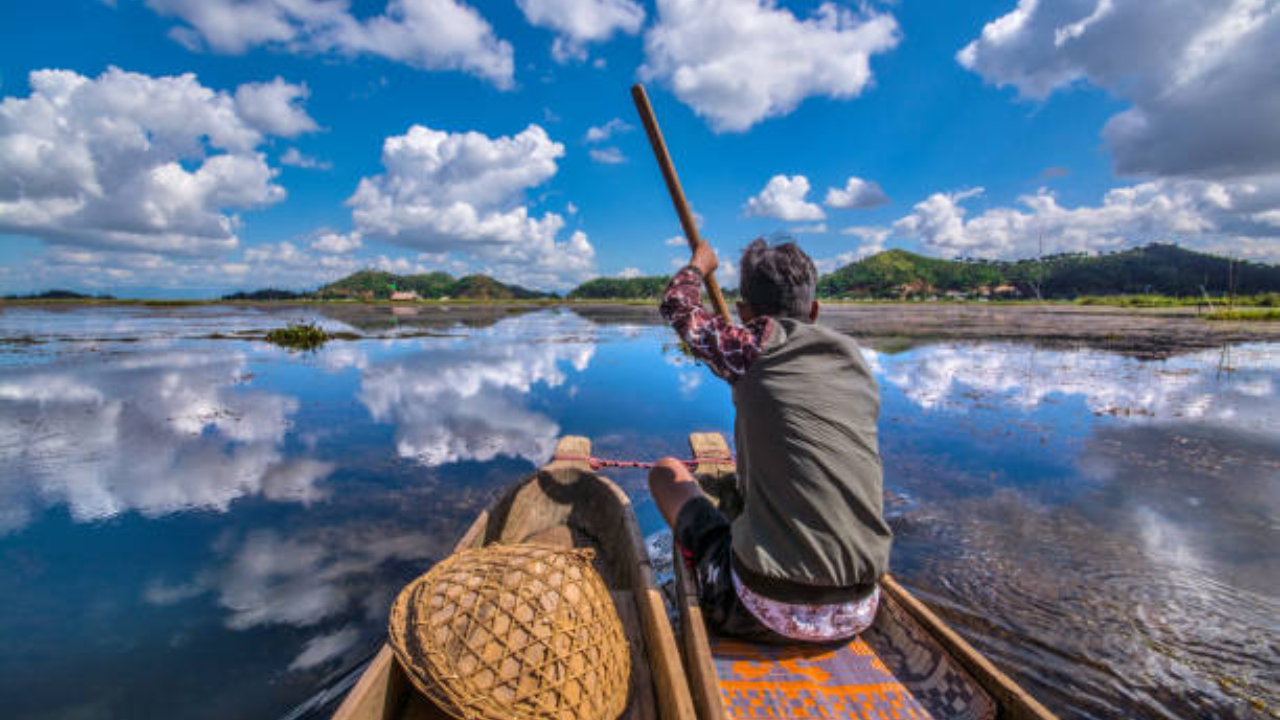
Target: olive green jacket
(812, 528)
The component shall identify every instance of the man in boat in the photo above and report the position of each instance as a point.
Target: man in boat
(802, 561)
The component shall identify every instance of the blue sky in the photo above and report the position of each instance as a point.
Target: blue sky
(189, 147)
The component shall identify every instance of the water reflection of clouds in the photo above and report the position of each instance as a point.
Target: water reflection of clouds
(688, 374)
(156, 433)
(265, 579)
(458, 400)
(1192, 387)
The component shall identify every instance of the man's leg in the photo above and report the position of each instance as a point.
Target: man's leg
(704, 534)
(672, 485)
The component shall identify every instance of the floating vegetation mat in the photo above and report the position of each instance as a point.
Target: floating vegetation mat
(300, 336)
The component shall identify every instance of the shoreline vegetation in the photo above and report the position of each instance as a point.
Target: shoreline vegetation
(1157, 276)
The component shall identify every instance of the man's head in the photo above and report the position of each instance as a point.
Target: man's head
(778, 280)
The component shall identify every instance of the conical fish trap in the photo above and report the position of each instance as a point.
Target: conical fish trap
(514, 631)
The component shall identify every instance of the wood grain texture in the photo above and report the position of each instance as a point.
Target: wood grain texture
(712, 453)
(1015, 703)
(641, 705)
(576, 450)
(564, 504)
(668, 168)
(704, 683)
(379, 694)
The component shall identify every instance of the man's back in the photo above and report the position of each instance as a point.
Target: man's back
(812, 529)
(802, 560)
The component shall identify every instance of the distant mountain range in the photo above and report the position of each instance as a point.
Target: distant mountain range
(613, 288)
(379, 285)
(59, 295)
(1162, 269)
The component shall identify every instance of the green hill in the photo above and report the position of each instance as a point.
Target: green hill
(888, 273)
(59, 295)
(1157, 268)
(378, 285)
(612, 288)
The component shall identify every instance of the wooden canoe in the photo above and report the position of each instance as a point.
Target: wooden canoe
(565, 503)
(909, 664)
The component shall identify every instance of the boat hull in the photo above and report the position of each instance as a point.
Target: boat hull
(568, 505)
(909, 659)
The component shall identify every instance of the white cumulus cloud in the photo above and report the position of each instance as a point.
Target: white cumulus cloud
(783, 198)
(857, 194)
(465, 192)
(600, 133)
(294, 157)
(737, 62)
(873, 238)
(127, 161)
(275, 107)
(428, 34)
(579, 22)
(868, 233)
(608, 155)
(338, 243)
(1198, 214)
(831, 264)
(1201, 76)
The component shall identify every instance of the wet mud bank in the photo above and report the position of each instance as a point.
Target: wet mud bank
(1148, 333)
(1143, 333)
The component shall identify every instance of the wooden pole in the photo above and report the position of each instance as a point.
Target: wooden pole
(677, 194)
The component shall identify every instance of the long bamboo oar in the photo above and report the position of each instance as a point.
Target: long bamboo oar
(677, 194)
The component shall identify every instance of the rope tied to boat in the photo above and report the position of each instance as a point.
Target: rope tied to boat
(598, 463)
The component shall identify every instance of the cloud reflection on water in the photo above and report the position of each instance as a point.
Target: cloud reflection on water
(315, 578)
(1195, 386)
(152, 432)
(459, 400)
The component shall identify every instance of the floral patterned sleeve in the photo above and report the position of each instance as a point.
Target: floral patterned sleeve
(726, 348)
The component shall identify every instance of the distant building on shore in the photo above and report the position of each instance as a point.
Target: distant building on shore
(405, 296)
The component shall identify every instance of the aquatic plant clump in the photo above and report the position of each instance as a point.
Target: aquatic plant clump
(300, 336)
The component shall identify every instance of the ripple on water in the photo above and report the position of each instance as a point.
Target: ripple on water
(1104, 528)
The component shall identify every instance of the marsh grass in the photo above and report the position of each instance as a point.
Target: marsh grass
(1159, 301)
(1264, 315)
(300, 336)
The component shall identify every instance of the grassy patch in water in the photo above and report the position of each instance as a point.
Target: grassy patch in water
(1159, 301)
(1268, 315)
(299, 336)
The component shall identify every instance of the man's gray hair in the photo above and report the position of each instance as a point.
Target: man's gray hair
(778, 280)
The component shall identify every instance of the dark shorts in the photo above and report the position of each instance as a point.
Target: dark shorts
(702, 532)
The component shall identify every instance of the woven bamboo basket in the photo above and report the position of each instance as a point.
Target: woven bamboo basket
(514, 631)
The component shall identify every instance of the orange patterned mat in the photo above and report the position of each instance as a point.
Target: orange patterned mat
(894, 671)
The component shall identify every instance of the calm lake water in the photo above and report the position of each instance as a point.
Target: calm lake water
(210, 527)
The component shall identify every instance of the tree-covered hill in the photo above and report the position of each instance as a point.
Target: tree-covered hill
(1158, 268)
(378, 285)
(265, 294)
(893, 272)
(612, 288)
(58, 295)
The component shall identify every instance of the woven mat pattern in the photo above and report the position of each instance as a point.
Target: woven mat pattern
(894, 671)
(514, 631)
